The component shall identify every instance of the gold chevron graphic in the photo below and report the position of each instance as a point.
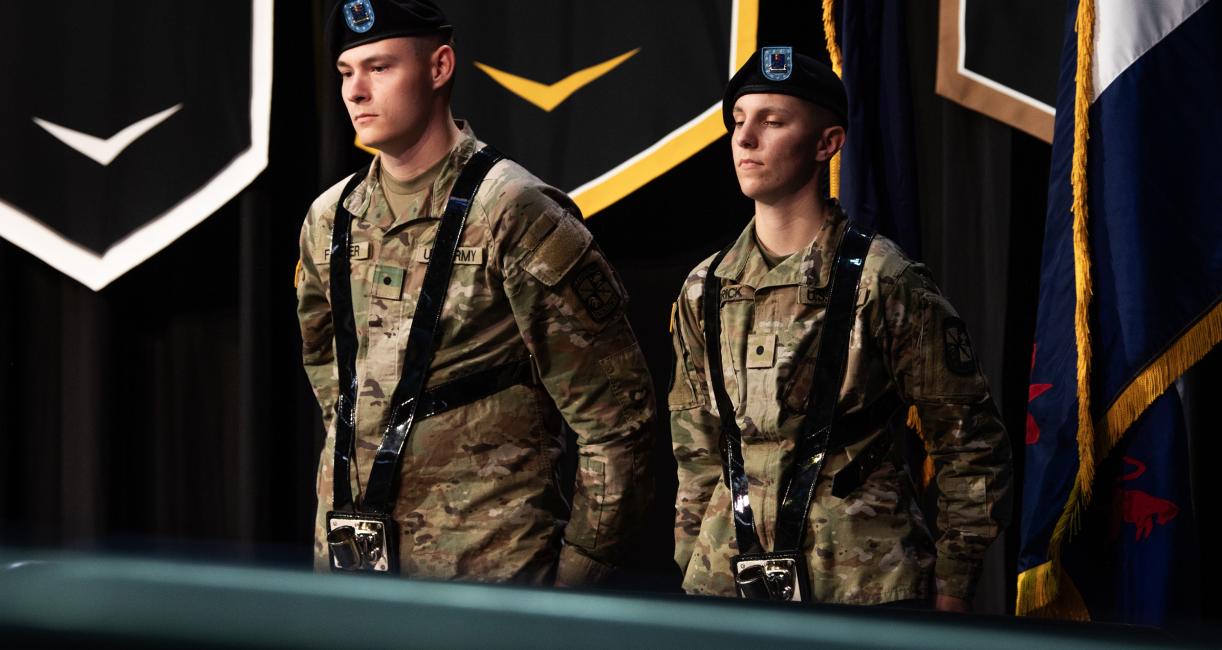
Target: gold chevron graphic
(547, 96)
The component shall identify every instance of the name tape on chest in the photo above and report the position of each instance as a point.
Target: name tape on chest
(358, 250)
(732, 292)
(813, 296)
(470, 255)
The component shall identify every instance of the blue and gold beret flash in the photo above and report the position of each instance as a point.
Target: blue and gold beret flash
(357, 22)
(780, 70)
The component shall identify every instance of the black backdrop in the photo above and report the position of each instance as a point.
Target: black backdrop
(168, 413)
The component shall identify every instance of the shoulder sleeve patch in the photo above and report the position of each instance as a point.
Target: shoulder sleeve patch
(947, 368)
(957, 348)
(559, 252)
(602, 298)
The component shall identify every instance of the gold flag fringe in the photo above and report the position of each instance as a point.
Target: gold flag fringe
(1157, 377)
(829, 35)
(1044, 591)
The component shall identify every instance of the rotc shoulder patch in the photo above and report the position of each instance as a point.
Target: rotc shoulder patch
(957, 348)
(595, 290)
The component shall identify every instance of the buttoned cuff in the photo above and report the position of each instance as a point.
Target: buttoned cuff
(577, 569)
(956, 578)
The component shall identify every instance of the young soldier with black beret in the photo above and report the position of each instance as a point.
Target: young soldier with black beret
(458, 480)
(818, 342)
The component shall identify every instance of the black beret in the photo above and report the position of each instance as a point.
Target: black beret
(357, 22)
(782, 71)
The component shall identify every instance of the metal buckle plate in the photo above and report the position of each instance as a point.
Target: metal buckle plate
(362, 542)
(771, 576)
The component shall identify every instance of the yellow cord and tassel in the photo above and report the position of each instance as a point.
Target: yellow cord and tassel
(927, 468)
(829, 34)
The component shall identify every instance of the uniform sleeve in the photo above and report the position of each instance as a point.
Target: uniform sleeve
(314, 317)
(935, 370)
(694, 430)
(569, 306)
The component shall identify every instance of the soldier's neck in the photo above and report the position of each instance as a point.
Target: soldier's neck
(788, 224)
(435, 143)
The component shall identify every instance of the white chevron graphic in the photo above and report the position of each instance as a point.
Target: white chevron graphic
(105, 151)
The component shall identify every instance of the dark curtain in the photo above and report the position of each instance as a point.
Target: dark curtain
(168, 413)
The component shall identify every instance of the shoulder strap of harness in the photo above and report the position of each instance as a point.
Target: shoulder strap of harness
(344, 326)
(829, 375)
(421, 339)
(733, 468)
(830, 367)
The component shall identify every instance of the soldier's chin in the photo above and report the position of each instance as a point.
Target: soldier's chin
(372, 138)
(752, 188)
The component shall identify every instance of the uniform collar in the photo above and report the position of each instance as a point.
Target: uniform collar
(811, 266)
(367, 201)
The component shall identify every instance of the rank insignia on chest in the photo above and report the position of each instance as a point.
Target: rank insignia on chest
(596, 292)
(761, 350)
(958, 349)
(388, 282)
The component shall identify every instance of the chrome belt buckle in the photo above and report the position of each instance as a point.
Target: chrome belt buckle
(362, 542)
(779, 576)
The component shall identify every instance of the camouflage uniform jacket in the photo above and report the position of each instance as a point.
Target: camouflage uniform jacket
(873, 546)
(479, 497)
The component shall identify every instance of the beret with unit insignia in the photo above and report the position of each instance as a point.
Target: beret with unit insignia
(780, 70)
(357, 22)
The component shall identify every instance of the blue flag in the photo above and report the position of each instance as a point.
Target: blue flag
(1130, 294)
(878, 170)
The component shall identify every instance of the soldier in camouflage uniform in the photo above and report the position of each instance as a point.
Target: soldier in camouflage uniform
(873, 546)
(478, 496)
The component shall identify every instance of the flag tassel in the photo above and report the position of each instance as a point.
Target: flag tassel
(833, 49)
(927, 468)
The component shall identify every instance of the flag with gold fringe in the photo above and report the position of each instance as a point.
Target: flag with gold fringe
(1129, 299)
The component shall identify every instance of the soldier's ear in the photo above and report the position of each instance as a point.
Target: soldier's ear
(830, 141)
(441, 65)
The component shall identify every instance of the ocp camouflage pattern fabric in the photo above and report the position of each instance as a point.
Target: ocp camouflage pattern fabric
(874, 545)
(479, 497)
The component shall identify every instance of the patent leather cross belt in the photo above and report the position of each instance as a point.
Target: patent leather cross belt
(781, 574)
(410, 401)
